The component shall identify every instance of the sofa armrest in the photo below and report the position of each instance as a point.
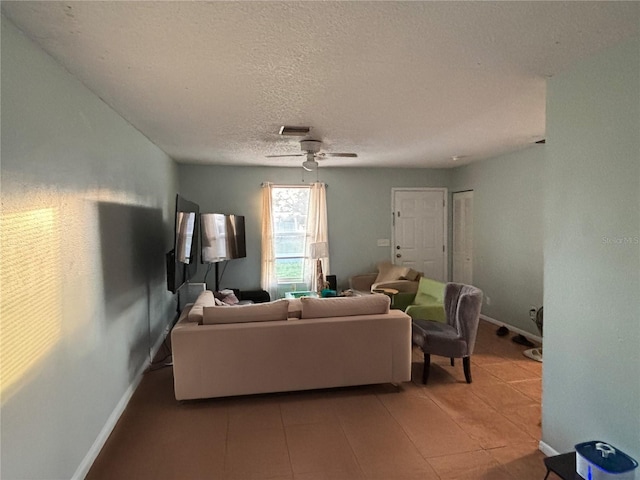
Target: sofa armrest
(427, 312)
(362, 282)
(406, 286)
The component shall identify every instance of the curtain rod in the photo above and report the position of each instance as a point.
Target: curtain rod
(264, 184)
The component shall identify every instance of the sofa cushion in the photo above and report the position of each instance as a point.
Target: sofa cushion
(205, 299)
(388, 272)
(254, 312)
(344, 306)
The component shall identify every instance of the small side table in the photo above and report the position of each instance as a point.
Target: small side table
(563, 465)
(390, 292)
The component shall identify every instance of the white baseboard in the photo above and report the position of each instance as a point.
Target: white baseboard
(547, 450)
(529, 335)
(84, 467)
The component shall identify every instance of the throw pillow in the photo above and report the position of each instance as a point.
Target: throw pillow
(429, 291)
(411, 275)
(388, 272)
(228, 297)
(254, 312)
(344, 306)
(295, 308)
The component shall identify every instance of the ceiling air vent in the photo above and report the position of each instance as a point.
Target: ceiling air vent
(294, 131)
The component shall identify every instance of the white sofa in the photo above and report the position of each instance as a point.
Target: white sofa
(223, 351)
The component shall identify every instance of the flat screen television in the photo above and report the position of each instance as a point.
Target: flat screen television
(182, 261)
(223, 237)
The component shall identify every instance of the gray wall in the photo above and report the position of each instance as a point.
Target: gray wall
(592, 254)
(508, 194)
(358, 204)
(87, 214)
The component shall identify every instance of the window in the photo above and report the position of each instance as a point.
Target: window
(290, 208)
(293, 217)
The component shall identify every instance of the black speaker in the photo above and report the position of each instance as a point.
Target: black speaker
(333, 282)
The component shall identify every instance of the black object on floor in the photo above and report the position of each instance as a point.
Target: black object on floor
(563, 465)
(522, 340)
(502, 331)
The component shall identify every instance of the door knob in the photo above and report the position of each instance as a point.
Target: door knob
(398, 255)
(397, 247)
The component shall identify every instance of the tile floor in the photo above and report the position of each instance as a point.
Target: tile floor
(446, 430)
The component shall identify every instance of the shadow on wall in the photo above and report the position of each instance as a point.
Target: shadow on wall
(132, 251)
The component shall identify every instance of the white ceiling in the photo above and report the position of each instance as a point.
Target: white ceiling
(403, 84)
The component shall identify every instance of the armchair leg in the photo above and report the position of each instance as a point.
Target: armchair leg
(425, 371)
(453, 362)
(466, 363)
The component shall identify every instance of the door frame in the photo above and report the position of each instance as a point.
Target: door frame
(445, 220)
(453, 233)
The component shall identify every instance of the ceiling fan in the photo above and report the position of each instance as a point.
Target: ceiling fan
(311, 150)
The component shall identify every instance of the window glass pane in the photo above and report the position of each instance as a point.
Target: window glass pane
(289, 269)
(289, 245)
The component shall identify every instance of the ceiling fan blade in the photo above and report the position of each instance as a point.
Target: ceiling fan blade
(286, 155)
(328, 154)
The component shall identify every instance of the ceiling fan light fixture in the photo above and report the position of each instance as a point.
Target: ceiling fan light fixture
(310, 165)
(294, 131)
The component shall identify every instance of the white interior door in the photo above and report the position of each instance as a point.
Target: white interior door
(420, 233)
(463, 237)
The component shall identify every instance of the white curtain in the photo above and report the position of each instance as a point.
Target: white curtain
(317, 231)
(268, 279)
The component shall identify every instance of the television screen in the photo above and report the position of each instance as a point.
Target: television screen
(214, 237)
(223, 237)
(182, 261)
(237, 246)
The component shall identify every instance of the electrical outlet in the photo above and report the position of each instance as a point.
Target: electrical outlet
(487, 300)
(532, 313)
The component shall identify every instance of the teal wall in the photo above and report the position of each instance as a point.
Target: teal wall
(358, 210)
(592, 254)
(87, 214)
(508, 194)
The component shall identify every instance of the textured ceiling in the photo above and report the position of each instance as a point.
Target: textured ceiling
(405, 84)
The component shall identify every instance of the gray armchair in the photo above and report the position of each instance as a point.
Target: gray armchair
(455, 338)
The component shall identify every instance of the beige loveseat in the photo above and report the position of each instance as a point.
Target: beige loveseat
(223, 351)
(403, 279)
